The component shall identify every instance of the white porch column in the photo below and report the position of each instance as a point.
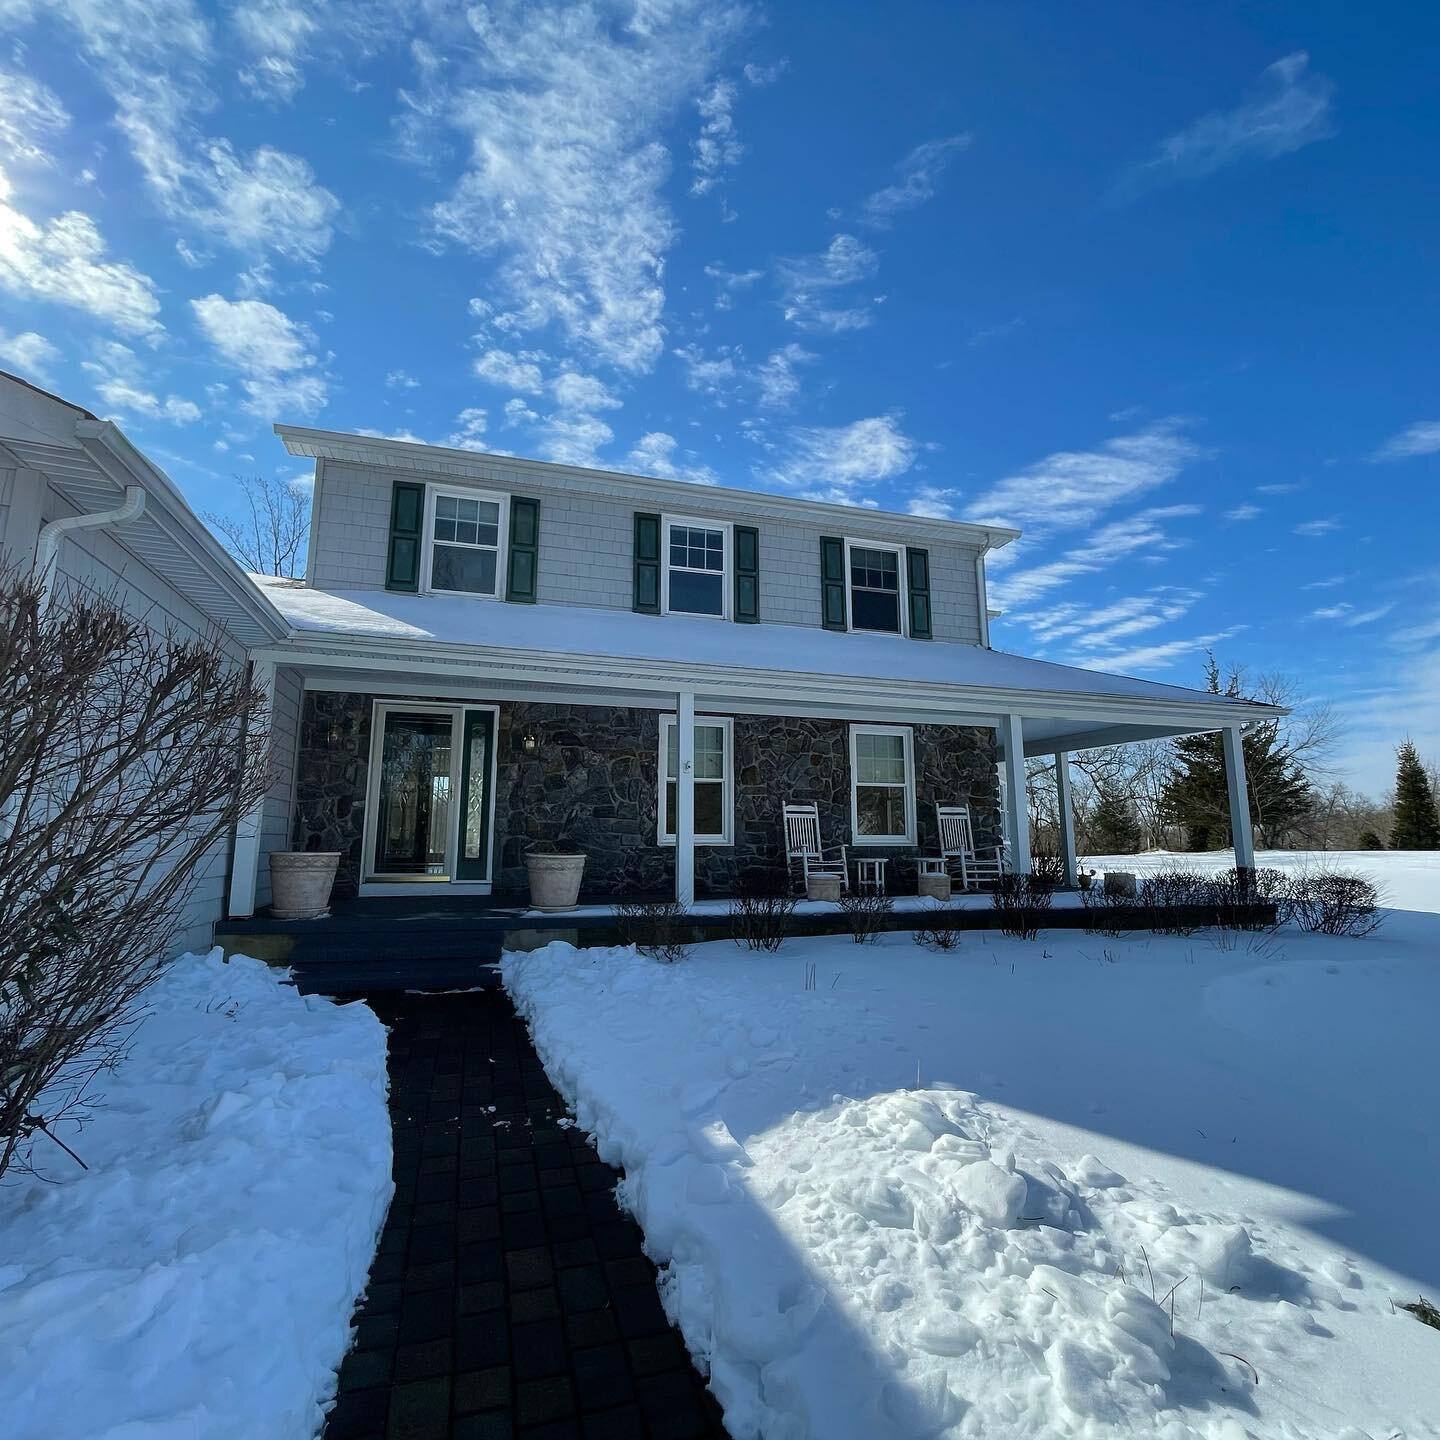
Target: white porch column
(1241, 832)
(1065, 808)
(245, 863)
(685, 799)
(1017, 802)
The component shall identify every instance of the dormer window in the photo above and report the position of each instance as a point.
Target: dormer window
(874, 574)
(697, 567)
(464, 555)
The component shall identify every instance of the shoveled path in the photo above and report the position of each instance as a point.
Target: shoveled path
(509, 1296)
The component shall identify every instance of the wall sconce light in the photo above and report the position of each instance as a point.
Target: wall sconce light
(529, 743)
(336, 733)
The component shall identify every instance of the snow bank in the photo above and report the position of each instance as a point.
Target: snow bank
(197, 1280)
(958, 1195)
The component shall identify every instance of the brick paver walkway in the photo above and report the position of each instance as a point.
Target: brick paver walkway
(509, 1296)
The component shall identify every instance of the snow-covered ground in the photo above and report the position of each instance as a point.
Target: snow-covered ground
(957, 1194)
(196, 1282)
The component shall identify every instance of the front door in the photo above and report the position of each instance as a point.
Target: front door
(429, 794)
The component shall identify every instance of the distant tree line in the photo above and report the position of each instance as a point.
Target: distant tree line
(1172, 794)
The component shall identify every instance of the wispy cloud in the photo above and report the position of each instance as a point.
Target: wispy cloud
(28, 352)
(916, 177)
(1421, 438)
(657, 453)
(777, 376)
(31, 118)
(63, 261)
(520, 372)
(988, 333)
(810, 286)
(563, 109)
(717, 147)
(401, 380)
(121, 381)
(272, 355)
(1158, 657)
(730, 283)
(1348, 615)
(1313, 528)
(1291, 109)
(1066, 490)
(1244, 512)
(836, 462)
(1094, 627)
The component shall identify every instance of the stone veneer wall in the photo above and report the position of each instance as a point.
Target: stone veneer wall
(593, 780)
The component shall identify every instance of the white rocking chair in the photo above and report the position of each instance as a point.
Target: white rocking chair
(804, 854)
(958, 853)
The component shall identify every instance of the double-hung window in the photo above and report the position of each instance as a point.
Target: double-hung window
(464, 553)
(882, 788)
(697, 567)
(876, 592)
(714, 762)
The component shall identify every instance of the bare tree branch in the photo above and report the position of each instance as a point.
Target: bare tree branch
(271, 538)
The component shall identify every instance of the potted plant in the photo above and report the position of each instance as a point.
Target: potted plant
(556, 868)
(300, 883)
(1086, 879)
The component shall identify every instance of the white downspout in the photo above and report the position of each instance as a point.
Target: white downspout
(47, 547)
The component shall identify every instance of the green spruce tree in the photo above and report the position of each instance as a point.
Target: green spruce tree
(1369, 840)
(1417, 824)
(1197, 797)
(1114, 828)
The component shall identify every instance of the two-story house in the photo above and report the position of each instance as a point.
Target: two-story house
(488, 651)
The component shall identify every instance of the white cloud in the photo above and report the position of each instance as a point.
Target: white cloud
(833, 462)
(28, 352)
(1158, 657)
(759, 75)
(517, 412)
(1068, 489)
(1349, 616)
(916, 177)
(152, 57)
(996, 332)
(574, 439)
(776, 377)
(511, 371)
(563, 107)
(31, 117)
(935, 501)
(1314, 528)
(63, 261)
(469, 433)
(729, 283)
(1291, 110)
(573, 391)
(1243, 512)
(810, 282)
(1421, 438)
(717, 148)
(713, 375)
(121, 384)
(401, 380)
(656, 454)
(272, 354)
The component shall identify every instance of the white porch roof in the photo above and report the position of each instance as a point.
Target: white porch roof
(770, 669)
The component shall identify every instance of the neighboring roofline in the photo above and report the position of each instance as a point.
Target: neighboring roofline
(109, 449)
(339, 445)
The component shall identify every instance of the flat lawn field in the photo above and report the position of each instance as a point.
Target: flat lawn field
(1080, 1186)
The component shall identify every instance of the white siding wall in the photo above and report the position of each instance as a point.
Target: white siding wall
(93, 559)
(280, 804)
(586, 541)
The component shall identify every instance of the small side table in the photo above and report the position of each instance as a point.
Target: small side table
(870, 876)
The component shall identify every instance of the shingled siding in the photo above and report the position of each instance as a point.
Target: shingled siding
(594, 779)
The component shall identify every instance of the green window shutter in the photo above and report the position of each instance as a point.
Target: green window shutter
(407, 519)
(647, 563)
(832, 582)
(522, 568)
(917, 573)
(747, 574)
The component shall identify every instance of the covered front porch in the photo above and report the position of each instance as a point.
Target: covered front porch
(600, 747)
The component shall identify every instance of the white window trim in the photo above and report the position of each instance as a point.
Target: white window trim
(902, 596)
(727, 582)
(502, 547)
(667, 724)
(908, 838)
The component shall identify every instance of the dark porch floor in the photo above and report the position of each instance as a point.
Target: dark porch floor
(510, 1296)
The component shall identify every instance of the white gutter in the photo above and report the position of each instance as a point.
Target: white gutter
(47, 547)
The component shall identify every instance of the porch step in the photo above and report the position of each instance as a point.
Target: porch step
(395, 976)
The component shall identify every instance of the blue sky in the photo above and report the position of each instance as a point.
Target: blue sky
(1155, 283)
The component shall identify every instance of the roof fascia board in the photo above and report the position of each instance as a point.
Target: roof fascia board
(448, 464)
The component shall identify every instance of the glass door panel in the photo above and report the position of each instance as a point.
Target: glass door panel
(474, 860)
(412, 829)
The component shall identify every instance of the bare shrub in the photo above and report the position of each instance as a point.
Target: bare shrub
(656, 928)
(1238, 898)
(1048, 870)
(1021, 903)
(1169, 894)
(1108, 912)
(761, 909)
(1336, 902)
(865, 913)
(939, 934)
(126, 755)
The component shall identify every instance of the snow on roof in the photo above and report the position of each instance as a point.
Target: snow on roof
(622, 634)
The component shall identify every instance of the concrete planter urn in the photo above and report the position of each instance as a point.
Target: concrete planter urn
(935, 887)
(823, 887)
(554, 879)
(1120, 882)
(300, 883)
